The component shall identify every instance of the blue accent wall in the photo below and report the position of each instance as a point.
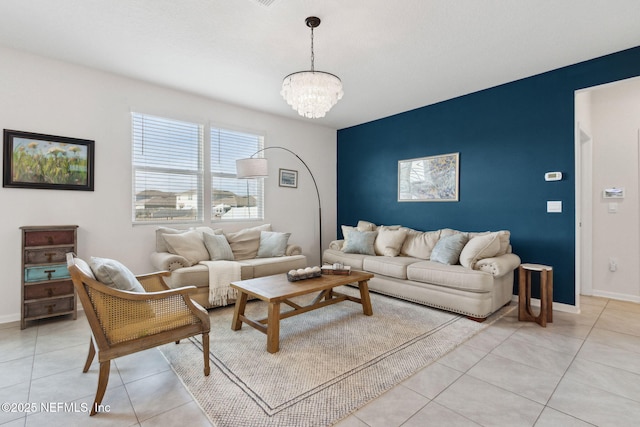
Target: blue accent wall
(508, 137)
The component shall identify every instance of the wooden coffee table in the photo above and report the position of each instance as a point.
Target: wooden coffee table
(277, 289)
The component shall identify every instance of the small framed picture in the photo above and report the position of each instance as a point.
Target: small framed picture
(33, 160)
(288, 178)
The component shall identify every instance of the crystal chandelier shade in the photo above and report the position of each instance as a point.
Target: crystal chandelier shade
(312, 93)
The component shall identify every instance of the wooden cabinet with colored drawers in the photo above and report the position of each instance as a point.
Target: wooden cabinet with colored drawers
(47, 290)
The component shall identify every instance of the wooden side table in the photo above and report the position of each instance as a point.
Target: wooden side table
(546, 294)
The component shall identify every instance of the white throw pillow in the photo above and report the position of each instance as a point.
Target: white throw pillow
(479, 247)
(389, 241)
(246, 242)
(419, 244)
(189, 245)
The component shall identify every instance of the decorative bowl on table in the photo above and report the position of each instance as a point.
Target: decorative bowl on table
(303, 273)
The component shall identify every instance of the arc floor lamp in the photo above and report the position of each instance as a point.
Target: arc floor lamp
(256, 167)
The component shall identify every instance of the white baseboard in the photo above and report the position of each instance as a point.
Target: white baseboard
(557, 306)
(15, 317)
(8, 318)
(616, 296)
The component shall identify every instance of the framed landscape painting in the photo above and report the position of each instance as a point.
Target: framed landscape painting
(429, 179)
(33, 160)
(288, 178)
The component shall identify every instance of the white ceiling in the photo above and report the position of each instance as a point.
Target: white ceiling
(392, 56)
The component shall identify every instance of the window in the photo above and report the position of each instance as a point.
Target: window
(170, 184)
(234, 198)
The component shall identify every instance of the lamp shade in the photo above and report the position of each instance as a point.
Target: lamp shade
(251, 168)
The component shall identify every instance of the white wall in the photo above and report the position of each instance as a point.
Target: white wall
(615, 112)
(45, 96)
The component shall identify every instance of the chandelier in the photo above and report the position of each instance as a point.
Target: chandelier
(312, 93)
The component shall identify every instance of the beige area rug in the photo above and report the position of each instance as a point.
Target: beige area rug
(331, 361)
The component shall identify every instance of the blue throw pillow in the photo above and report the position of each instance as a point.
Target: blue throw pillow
(360, 242)
(272, 244)
(114, 274)
(448, 249)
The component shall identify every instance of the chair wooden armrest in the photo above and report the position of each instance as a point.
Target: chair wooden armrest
(154, 281)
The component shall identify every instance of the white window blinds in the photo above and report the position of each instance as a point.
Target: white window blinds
(234, 198)
(167, 170)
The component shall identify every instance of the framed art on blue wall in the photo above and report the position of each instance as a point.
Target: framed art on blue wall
(33, 160)
(429, 179)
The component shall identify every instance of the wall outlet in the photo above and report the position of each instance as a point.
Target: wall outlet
(613, 265)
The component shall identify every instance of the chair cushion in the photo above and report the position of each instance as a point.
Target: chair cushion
(272, 244)
(114, 274)
(84, 267)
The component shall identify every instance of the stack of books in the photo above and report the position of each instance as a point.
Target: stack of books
(336, 269)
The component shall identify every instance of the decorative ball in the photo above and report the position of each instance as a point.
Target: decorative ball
(300, 271)
(292, 273)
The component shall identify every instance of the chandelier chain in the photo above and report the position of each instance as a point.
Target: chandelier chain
(312, 54)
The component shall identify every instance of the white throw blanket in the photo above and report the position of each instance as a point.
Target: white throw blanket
(221, 274)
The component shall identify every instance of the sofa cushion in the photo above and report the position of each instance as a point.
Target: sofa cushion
(246, 242)
(359, 242)
(479, 247)
(190, 245)
(198, 275)
(451, 276)
(448, 248)
(114, 274)
(389, 241)
(276, 265)
(272, 244)
(218, 247)
(354, 261)
(388, 266)
(420, 244)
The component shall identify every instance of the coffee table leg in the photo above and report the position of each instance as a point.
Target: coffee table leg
(241, 303)
(273, 327)
(364, 297)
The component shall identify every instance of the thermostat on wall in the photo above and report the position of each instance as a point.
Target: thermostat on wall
(553, 176)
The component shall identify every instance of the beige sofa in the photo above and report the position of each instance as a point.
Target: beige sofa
(412, 265)
(185, 252)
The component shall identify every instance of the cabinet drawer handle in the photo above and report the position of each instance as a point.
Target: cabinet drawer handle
(49, 273)
(49, 255)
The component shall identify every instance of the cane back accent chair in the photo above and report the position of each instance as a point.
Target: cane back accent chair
(124, 322)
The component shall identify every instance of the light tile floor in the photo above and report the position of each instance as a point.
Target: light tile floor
(581, 370)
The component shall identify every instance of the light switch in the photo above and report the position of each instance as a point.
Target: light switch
(554, 206)
(613, 207)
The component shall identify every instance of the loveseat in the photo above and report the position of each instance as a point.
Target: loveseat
(200, 255)
(464, 272)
